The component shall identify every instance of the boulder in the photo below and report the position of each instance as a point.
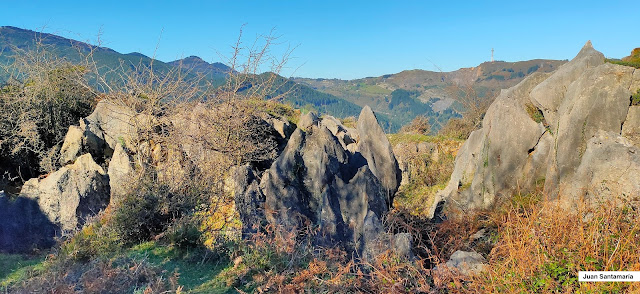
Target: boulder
(114, 123)
(537, 133)
(120, 171)
(72, 147)
(109, 125)
(307, 120)
(631, 127)
(467, 263)
(376, 149)
(316, 182)
(549, 94)
(608, 169)
(249, 199)
(281, 126)
(597, 100)
(72, 194)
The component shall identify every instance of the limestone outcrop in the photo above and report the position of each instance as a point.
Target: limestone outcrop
(318, 181)
(569, 129)
(72, 194)
(109, 125)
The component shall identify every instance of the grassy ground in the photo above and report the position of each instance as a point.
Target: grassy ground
(16, 267)
(195, 271)
(428, 173)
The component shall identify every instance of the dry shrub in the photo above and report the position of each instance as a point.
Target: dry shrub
(44, 96)
(475, 108)
(458, 128)
(427, 172)
(121, 275)
(419, 125)
(188, 136)
(541, 247)
(278, 261)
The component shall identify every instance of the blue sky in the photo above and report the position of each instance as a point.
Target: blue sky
(344, 39)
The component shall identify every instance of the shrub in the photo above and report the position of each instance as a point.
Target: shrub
(635, 98)
(458, 128)
(147, 210)
(419, 125)
(541, 247)
(35, 114)
(94, 240)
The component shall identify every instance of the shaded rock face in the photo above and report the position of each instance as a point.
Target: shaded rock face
(317, 181)
(24, 227)
(512, 151)
(72, 194)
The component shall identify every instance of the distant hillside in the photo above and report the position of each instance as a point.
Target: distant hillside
(113, 64)
(196, 65)
(110, 63)
(435, 93)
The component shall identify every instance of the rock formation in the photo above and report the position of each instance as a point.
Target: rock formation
(318, 181)
(72, 194)
(564, 129)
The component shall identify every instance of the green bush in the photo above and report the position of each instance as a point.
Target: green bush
(94, 240)
(184, 233)
(139, 215)
(635, 98)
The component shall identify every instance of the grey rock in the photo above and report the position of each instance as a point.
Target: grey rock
(249, 200)
(72, 194)
(281, 126)
(511, 152)
(114, 123)
(608, 170)
(72, 146)
(549, 94)
(109, 125)
(631, 127)
(402, 245)
(467, 263)
(333, 124)
(308, 120)
(596, 100)
(477, 235)
(24, 227)
(376, 149)
(120, 171)
(315, 181)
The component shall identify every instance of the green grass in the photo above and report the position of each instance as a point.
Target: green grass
(635, 98)
(394, 139)
(634, 63)
(15, 268)
(196, 274)
(374, 90)
(534, 113)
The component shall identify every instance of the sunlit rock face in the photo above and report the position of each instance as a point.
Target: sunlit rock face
(570, 130)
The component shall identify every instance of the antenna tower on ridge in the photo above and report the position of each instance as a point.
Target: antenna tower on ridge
(491, 54)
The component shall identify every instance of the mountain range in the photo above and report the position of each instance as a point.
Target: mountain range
(396, 98)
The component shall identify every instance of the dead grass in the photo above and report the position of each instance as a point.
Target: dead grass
(541, 247)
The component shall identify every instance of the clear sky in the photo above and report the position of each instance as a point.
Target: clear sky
(344, 39)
